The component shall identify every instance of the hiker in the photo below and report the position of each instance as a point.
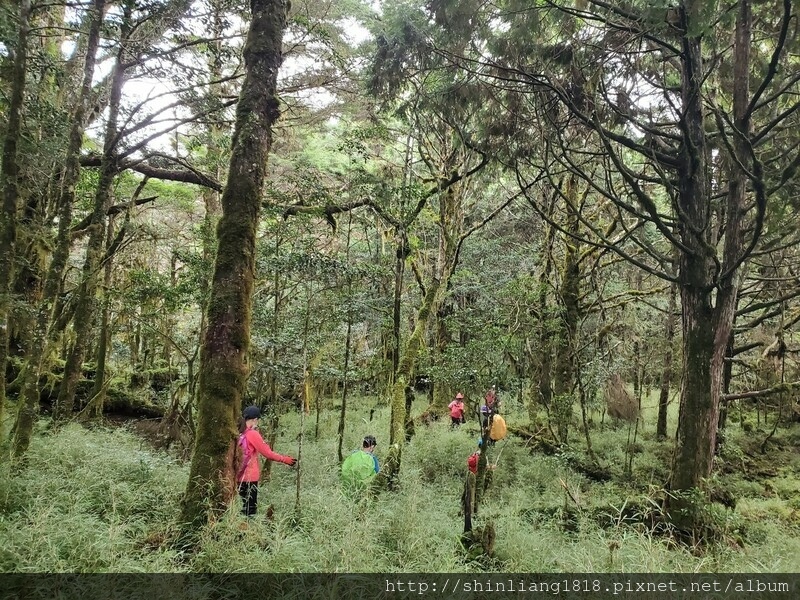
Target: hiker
(489, 406)
(361, 466)
(491, 401)
(472, 461)
(485, 416)
(457, 410)
(252, 444)
(492, 424)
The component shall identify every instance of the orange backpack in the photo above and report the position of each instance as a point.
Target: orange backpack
(498, 430)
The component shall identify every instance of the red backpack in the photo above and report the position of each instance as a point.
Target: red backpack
(246, 453)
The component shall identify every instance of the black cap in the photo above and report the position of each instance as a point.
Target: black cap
(251, 412)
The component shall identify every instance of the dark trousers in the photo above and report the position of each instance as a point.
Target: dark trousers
(248, 490)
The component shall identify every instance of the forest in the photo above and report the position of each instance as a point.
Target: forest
(347, 212)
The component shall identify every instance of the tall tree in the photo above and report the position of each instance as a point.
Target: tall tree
(42, 330)
(9, 186)
(569, 295)
(83, 321)
(644, 84)
(224, 360)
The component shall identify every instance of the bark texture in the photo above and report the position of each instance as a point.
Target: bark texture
(666, 373)
(708, 318)
(9, 182)
(224, 364)
(564, 383)
(41, 337)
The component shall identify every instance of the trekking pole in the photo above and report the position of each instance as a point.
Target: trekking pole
(300, 451)
(503, 447)
(305, 400)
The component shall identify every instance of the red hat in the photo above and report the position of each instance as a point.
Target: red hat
(459, 396)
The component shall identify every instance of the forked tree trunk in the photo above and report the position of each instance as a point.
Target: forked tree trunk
(86, 294)
(226, 341)
(401, 427)
(707, 326)
(41, 338)
(405, 370)
(451, 220)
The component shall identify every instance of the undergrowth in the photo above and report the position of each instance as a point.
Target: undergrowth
(101, 500)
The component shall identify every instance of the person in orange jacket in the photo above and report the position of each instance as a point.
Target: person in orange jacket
(252, 445)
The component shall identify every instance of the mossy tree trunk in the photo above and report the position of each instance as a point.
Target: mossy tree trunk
(708, 313)
(97, 397)
(213, 141)
(540, 351)
(94, 409)
(86, 294)
(564, 380)
(451, 222)
(41, 337)
(442, 392)
(401, 253)
(223, 360)
(40, 190)
(9, 183)
(450, 192)
(666, 373)
(405, 371)
(697, 420)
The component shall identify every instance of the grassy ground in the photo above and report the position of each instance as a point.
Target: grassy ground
(102, 500)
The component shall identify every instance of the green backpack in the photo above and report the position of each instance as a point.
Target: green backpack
(358, 469)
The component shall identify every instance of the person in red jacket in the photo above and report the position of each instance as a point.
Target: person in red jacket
(475, 457)
(472, 461)
(252, 445)
(457, 410)
(491, 399)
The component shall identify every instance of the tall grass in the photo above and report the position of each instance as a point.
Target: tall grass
(90, 500)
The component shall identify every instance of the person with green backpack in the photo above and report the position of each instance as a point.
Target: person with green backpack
(359, 469)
